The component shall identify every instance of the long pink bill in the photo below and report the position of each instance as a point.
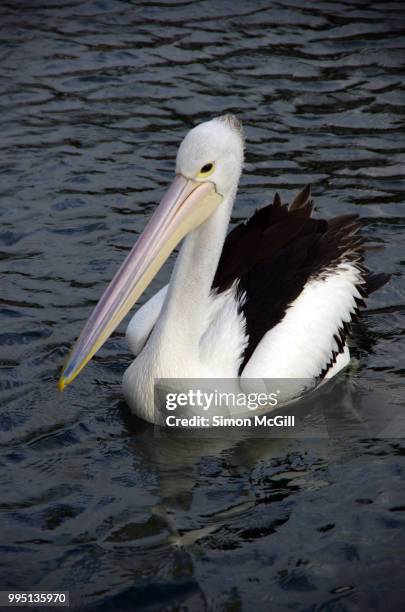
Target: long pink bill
(186, 204)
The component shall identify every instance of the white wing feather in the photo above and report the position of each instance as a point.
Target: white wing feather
(301, 345)
(144, 320)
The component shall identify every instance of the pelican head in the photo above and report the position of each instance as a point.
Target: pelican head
(208, 166)
(213, 151)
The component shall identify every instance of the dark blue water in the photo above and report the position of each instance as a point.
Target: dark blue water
(95, 98)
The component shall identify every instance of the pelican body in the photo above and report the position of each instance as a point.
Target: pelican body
(274, 299)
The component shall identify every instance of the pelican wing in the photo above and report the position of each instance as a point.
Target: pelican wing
(301, 283)
(143, 321)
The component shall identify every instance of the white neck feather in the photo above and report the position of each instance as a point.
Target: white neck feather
(183, 318)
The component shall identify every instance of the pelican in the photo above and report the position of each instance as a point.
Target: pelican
(275, 298)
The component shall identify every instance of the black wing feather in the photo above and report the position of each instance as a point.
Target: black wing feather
(274, 254)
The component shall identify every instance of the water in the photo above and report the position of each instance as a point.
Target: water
(95, 98)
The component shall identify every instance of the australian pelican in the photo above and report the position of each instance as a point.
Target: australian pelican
(274, 299)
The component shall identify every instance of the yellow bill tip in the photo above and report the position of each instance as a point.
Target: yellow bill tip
(62, 383)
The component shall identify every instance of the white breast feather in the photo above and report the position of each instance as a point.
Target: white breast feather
(223, 344)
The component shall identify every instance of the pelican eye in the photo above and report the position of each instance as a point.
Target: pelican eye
(206, 170)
